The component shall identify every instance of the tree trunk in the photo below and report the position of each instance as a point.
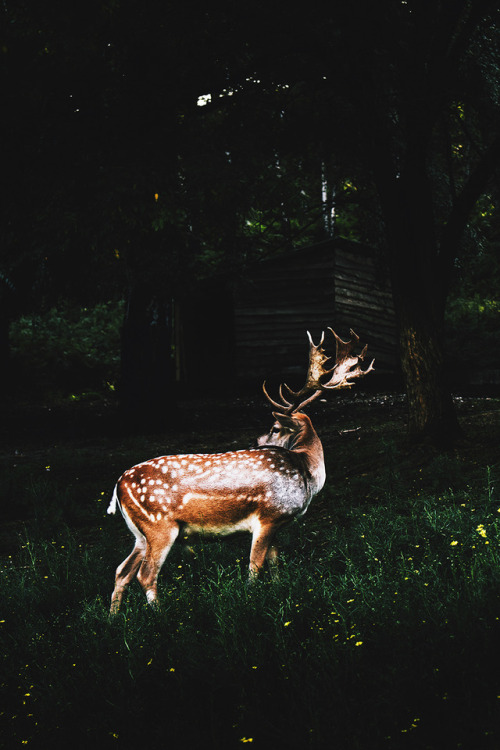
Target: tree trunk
(430, 406)
(5, 367)
(419, 289)
(147, 389)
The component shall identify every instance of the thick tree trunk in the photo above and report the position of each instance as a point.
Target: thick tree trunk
(430, 406)
(420, 288)
(147, 389)
(422, 268)
(420, 300)
(5, 366)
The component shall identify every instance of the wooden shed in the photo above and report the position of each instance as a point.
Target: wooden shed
(363, 301)
(276, 304)
(255, 327)
(336, 283)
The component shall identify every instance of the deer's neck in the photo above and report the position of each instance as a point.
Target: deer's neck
(309, 447)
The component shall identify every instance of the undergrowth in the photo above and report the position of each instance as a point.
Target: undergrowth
(381, 631)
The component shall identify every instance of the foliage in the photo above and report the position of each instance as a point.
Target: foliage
(69, 348)
(118, 179)
(473, 332)
(360, 640)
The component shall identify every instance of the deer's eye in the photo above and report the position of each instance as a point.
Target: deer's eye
(275, 430)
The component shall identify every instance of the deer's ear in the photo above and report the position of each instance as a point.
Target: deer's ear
(289, 423)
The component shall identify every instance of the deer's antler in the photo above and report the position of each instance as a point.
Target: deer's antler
(346, 369)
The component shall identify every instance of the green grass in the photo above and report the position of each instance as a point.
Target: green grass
(383, 629)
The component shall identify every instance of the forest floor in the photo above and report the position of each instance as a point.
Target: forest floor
(78, 442)
(382, 629)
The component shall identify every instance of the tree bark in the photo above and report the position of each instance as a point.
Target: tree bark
(430, 406)
(147, 388)
(5, 367)
(431, 413)
(419, 291)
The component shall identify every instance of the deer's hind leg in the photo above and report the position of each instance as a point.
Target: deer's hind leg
(157, 549)
(126, 572)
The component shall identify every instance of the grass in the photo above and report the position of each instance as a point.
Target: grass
(383, 629)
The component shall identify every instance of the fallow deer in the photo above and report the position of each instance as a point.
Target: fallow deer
(257, 490)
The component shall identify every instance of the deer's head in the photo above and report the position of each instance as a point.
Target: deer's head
(287, 431)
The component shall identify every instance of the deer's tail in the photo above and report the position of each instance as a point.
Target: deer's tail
(113, 503)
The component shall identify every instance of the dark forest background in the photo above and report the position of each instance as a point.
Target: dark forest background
(148, 146)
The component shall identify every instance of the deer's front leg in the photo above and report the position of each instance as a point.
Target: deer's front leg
(260, 550)
(272, 560)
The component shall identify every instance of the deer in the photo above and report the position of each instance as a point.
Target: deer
(258, 490)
